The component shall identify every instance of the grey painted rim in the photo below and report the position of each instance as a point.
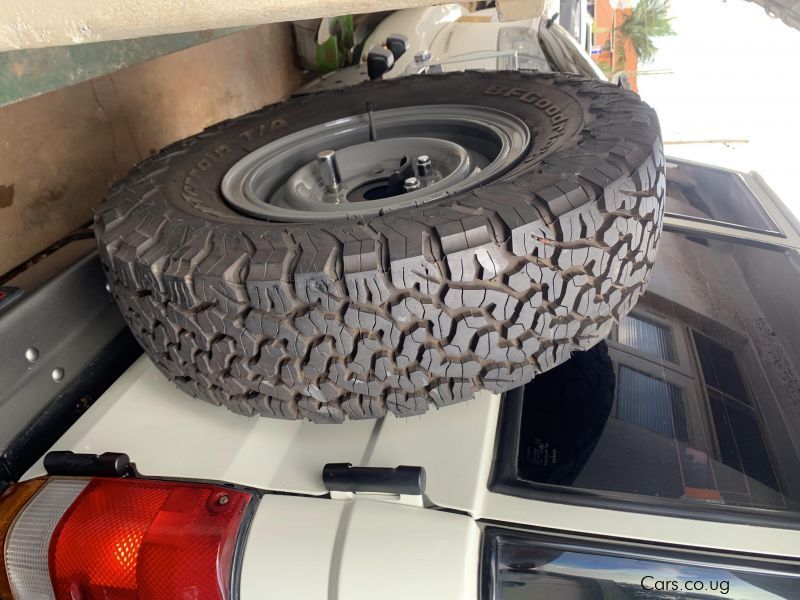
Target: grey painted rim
(468, 146)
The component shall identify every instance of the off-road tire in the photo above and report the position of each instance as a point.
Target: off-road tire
(417, 307)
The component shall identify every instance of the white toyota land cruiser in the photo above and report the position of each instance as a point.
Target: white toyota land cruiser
(617, 333)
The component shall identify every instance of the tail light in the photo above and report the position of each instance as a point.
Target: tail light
(119, 539)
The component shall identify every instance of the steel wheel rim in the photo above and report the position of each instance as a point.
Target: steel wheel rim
(281, 181)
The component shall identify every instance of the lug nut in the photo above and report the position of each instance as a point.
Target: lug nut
(424, 167)
(411, 184)
(329, 170)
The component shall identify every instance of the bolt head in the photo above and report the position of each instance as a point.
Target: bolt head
(329, 170)
(57, 374)
(424, 165)
(412, 183)
(32, 354)
(223, 500)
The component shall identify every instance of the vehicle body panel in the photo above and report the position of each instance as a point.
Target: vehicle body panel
(169, 433)
(420, 25)
(45, 324)
(146, 416)
(316, 548)
(289, 548)
(457, 36)
(304, 543)
(467, 33)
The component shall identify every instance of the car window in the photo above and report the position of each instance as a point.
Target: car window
(524, 41)
(702, 192)
(533, 565)
(693, 401)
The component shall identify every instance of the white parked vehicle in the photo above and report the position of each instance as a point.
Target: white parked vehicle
(449, 37)
(660, 461)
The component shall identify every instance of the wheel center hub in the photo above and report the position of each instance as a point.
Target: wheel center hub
(377, 171)
(339, 169)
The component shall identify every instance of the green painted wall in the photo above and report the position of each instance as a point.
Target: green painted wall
(30, 72)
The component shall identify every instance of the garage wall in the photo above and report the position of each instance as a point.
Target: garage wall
(59, 152)
(40, 23)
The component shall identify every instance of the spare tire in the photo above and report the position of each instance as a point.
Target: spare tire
(257, 281)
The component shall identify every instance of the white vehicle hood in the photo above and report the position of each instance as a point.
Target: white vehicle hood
(480, 33)
(450, 33)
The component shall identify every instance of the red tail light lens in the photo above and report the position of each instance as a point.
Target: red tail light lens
(131, 538)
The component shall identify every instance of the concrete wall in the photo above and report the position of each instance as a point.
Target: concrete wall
(59, 152)
(38, 23)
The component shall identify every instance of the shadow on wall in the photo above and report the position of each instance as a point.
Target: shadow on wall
(59, 152)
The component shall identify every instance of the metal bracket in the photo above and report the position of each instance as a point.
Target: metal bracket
(62, 346)
(107, 464)
(9, 295)
(405, 499)
(344, 477)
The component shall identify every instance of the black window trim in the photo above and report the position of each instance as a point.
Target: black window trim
(778, 235)
(725, 233)
(493, 532)
(503, 480)
(743, 181)
(788, 235)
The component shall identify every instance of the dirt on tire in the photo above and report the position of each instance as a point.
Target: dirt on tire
(417, 307)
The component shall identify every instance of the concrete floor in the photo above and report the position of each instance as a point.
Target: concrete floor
(59, 152)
